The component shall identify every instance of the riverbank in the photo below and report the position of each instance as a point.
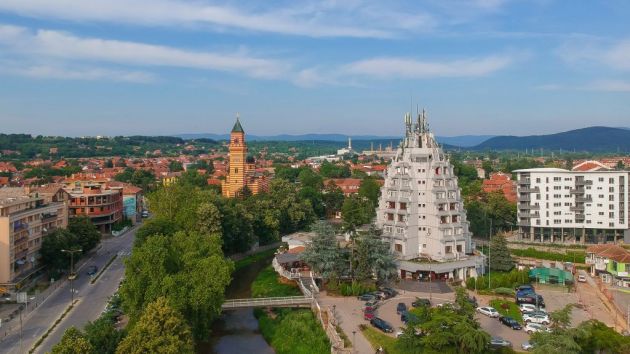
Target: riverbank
(292, 331)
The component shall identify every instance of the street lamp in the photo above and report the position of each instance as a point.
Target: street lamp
(72, 275)
(354, 342)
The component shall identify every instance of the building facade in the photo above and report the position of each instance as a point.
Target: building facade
(557, 205)
(421, 212)
(102, 204)
(611, 263)
(241, 173)
(25, 219)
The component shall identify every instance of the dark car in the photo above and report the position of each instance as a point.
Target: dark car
(389, 292)
(401, 307)
(367, 297)
(510, 322)
(407, 316)
(527, 288)
(91, 270)
(421, 302)
(533, 299)
(382, 325)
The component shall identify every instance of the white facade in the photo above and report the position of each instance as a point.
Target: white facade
(420, 209)
(570, 206)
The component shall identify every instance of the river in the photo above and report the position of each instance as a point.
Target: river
(236, 332)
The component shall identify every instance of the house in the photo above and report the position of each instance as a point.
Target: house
(503, 183)
(590, 165)
(610, 262)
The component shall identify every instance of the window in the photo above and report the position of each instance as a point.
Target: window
(403, 206)
(448, 249)
(398, 247)
(390, 216)
(391, 205)
(611, 180)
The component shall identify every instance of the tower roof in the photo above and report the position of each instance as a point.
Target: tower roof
(238, 128)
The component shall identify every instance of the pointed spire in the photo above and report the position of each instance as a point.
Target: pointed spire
(238, 128)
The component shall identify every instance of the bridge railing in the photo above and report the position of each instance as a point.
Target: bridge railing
(266, 301)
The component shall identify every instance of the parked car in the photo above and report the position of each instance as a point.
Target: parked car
(373, 304)
(366, 297)
(407, 316)
(369, 314)
(527, 346)
(91, 270)
(525, 308)
(488, 311)
(382, 325)
(510, 322)
(527, 288)
(536, 318)
(145, 214)
(535, 328)
(400, 308)
(582, 278)
(421, 302)
(533, 299)
(389, 292)
(497, 342)
(380, 295)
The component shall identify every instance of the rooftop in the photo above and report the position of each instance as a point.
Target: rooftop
(614, 252)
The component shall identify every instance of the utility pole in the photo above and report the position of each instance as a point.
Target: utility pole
(489, 255)
(72, 275)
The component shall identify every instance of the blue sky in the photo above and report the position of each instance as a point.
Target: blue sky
(123, 67)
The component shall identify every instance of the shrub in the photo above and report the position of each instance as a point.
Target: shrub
(509, 280)
(504, 291)
(356, 288)
(570, 256)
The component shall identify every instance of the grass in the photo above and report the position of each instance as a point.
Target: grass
(347, 343)
(269, 284)
(378, 339)
(507, 308)
(292, 331)
(254, 258)
(569, 256)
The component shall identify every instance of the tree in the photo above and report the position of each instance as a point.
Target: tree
(487, 167)
(193, 178)
(295, 214)
(161, 329)
(188, 268)
(175, 166)
(323, 253)
(370, 189)
(73, 342)
(594, 336)
(620, 166)
(472, 339)
(314, 196)
(238, 233)
(308, 178)
(356, 211)
(332, 199)
(557, 342)
(85, 232)
(155, 226)
(561, 319)
(373, 257)
(209, 219)
(102, 334)
(500, 257)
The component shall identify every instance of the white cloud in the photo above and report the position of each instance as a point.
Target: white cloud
(608, 85)
(88, 74)
(304, 18)
(406, 68)
(63, 45)
(615, 56)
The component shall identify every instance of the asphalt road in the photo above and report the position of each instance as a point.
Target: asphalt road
(92, 299)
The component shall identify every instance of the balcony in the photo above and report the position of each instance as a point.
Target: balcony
(529, 190)
(524, 181)
(577, 208)
(577, 190)
(583, 182)
(524, 198)
(525, 215)
(588, 199)
(529, 207)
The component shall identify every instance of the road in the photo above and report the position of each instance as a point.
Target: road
(92, 299)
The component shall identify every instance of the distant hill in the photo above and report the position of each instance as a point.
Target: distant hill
(601, 139)
(462, 141)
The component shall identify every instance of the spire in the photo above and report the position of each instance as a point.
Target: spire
(237, 126)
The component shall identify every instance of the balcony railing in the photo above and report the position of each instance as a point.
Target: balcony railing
(584, 199)
(577, 208)
(529, 190)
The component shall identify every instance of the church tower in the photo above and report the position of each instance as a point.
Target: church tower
(235, 179)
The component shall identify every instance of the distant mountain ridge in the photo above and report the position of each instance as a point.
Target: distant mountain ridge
(461, 141)
(600, 139)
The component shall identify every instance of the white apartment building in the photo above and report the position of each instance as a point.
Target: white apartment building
(421, 212)
(557, 205)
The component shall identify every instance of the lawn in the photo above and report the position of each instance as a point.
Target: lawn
(254, 258)
(379, 339)
(292, 331)
(507, 308)
(270, 284)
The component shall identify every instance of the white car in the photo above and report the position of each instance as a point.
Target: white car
(488, 311)
(535, 328)
(536, 318)
(527, 346)
(582, 278)
(525, 308)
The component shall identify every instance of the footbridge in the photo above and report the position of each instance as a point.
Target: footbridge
(287, 301)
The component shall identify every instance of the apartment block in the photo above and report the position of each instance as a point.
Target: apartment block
(99, 202)
(421, 211)
(557, 205)
(25, 219)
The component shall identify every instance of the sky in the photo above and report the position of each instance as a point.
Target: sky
(166, 67)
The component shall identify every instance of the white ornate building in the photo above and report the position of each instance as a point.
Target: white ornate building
(421, 211)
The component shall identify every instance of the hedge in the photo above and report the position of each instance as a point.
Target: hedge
(570, 256)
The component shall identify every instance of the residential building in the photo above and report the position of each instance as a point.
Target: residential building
(610, 262)
(590, 165)
(133, 200)
(99, 202)
(501, 182)
(25, 219)
(241, 171)
(421, 211)
(557, 205)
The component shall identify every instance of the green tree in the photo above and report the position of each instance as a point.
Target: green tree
(308, 178)
(209, 219)
(193, 178)
(373, 257)
(315, 198)
(370, 189)
(238, 232)
(500, 257)
(471, 338)
(356, 211)
(620, 166)
(295, 214)
(155, 226)
(102, 334)
(594, 336)
(323, 253)
(175, 166)
(85, 232)
(160, 329)
(487, 167)
(188, 268)
(332, 199)
(265, 219)
(73, 342)
(561, 319)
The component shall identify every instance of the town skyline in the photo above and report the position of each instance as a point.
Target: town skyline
(179, 67)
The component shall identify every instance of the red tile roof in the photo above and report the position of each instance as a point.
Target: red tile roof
(614, 252)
